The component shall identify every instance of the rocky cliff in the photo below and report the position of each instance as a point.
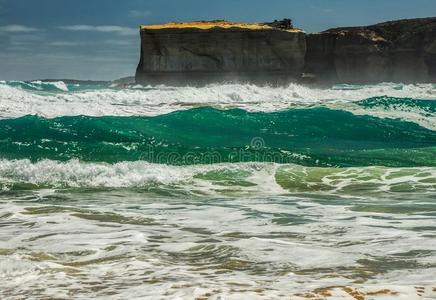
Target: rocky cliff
(203, 52)
(397, 51)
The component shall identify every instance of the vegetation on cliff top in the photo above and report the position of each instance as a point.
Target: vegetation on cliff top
(282, 25)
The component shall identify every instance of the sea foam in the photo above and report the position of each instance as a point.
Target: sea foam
(219, 179)
(17, 101)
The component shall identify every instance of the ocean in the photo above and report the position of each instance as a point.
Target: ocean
(228, 191)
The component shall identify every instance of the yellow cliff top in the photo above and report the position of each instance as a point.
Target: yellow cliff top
(213, 24)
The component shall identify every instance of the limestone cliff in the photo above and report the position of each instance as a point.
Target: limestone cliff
(397, 51)
(203, 52)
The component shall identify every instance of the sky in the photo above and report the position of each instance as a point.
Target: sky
(99, 39)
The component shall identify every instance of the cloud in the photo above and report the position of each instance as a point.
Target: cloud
(106, 29)
(67, 44)
(18, 29)
(140, 13)
(120, 42)
(17, 49)
(25, 39)
(69, 64)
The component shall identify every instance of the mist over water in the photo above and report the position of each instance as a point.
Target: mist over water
(232, 191)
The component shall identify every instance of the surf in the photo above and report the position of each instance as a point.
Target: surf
(18, 99)
(224, 179)
(311, 136)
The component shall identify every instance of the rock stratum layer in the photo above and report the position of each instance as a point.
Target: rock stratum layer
(204, 52)
(397, 51)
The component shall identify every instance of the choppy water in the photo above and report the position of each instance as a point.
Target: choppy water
(222, 192)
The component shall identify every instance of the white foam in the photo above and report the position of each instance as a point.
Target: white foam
(89, 245)
(220, 179)
(138, 174)
(60, 85)
(149, 101)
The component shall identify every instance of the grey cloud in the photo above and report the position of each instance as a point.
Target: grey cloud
(15, 28)
(104, 29)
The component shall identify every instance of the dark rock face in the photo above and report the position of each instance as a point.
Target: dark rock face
(200, 56)
(398, 51)
(320, 57)
(430, 61)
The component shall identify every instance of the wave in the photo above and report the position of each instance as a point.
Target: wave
(17, 99)
(422, 112)
(220, 179)
(54, 87)
(45, 86)
(311, 136)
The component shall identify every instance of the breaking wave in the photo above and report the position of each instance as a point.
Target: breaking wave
(50, 99)
(221, 179)
(309, 136)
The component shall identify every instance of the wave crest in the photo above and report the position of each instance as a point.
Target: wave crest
(314, 137)
(220, 179)
(101, 100)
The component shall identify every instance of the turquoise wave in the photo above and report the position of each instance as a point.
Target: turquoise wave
(311, 136)
(58, 86)
(392, 103)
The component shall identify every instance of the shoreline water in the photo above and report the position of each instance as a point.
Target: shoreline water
(351, 215)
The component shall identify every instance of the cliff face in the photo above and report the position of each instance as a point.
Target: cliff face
(206, 52)
(398, 51)
(203, 52)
